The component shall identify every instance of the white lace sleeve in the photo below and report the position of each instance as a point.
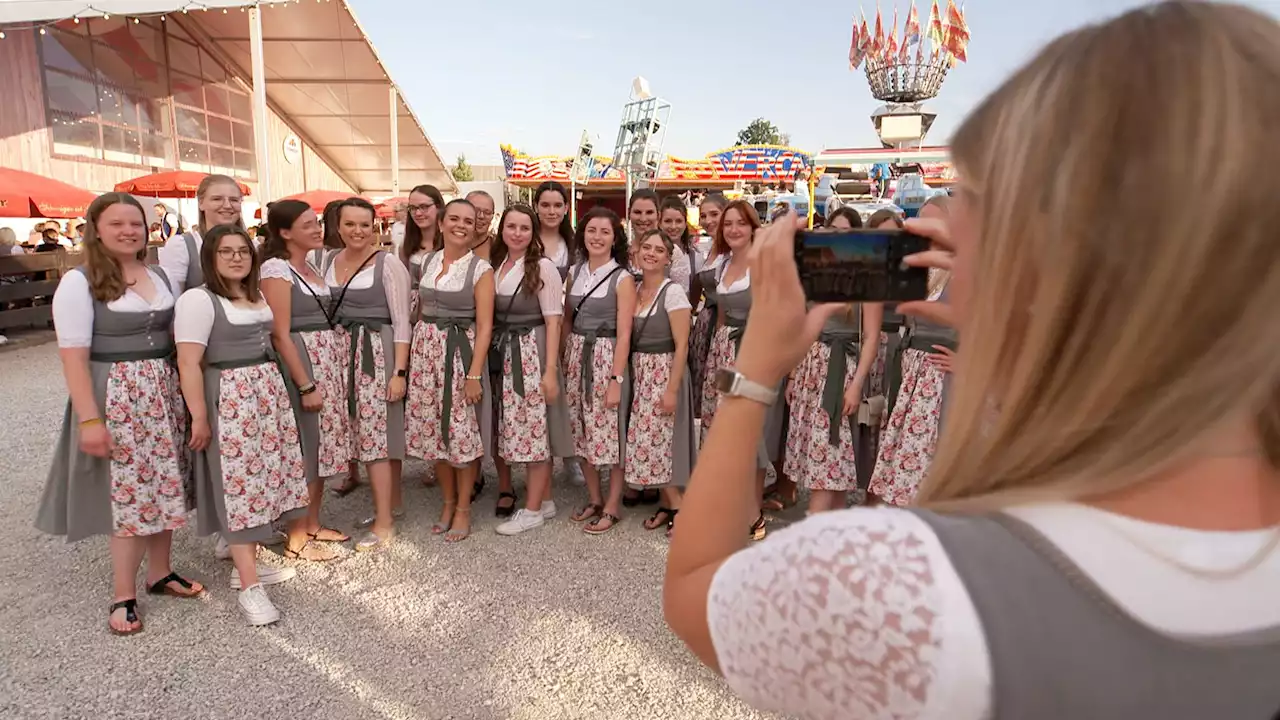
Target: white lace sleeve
(851, 614)
(275, 268)
(551, 297)
(681, 268)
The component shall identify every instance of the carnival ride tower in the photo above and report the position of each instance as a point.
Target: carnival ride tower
(638, 151)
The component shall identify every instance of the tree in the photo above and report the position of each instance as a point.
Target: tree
(759, 132)
(462, 171)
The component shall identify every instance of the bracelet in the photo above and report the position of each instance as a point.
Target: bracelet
(307, 389)
(477, 378)
(91, 421)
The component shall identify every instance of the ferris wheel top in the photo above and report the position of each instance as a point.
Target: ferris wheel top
(909, 66)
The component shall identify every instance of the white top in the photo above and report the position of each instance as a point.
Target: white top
(672, 302)
(17, 250)
(193, 317)
(681, 267)
(73, 307)
(279, 269)
(561, 257)
(738, 285)
(587, 279)
(456, 277)
(396, 284)
(550, 297)
(873, 601)
(172, 256)
(397, 237)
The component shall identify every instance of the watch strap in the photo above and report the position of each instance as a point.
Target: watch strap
(732, 383)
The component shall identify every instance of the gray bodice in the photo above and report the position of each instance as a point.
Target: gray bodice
(236, 345)
(651, 333)
(923, 335)
(737, 305)
(596, 316)
(708, 277)
(456, 304)
(125, 336)
(308, 310)
(195, 274)
(357, 304)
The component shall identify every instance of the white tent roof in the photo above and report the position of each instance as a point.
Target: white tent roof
(35, 11)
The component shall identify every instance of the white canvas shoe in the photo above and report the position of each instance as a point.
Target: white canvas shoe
(523, 521)
(548, 509)
(257, 607)
(267, 575)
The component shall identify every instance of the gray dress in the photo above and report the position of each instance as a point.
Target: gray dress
(142, 490)
(309, 314)
(365, 315)
(922, 335)
(454, 313)
(516, 318)
(652, 341)
(594, 319)
(195, 273)
(277, 491)
(736, 306)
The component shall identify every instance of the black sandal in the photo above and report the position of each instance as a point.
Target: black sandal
(593, 527)
(590, 511)
(505, 511)
(758, 529)
(161, 587)
(130, 616)
(671, 523)
(477, 488)
(653, 523)
(342, 537)
(347, 486)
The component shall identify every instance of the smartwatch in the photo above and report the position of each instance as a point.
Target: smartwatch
(402, 373)
(732, 383)
(618, 379)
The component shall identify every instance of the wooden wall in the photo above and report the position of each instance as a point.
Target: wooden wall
(25, 143)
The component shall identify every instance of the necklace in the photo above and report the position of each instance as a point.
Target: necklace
(348, 269)
(1250, 563)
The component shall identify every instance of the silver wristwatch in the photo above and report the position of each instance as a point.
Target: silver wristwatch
(732, 383)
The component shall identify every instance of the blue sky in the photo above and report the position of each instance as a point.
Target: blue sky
(535, 74)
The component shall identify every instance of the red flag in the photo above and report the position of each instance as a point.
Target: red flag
(865, 44)
(935, 31)
(855, 48)
(957, 42)
(877, 40)
(891, 45)
(911, 33)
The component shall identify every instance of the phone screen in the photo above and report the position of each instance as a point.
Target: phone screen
(860, 266)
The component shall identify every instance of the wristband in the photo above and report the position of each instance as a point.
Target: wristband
(477, 378)
(91, 421)
(307, 389)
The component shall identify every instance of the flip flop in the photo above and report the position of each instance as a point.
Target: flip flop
(587, 512)
(454, 535)
(130, 616)
(315, 536)
(593, 528)
(161, 587)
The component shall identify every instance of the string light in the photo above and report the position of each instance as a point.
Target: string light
(43, 27)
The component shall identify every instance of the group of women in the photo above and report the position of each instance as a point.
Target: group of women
(234, 379)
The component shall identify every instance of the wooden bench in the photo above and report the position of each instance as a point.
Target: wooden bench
(24, 291)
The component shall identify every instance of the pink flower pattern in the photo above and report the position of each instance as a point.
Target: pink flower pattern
(650, 433)
(263, 476)
(811, 459)
(522, 421)
(325, 349)
(595, 428)
(909, 439)
(369, 429)
(722, 355)
(426, 402)
(699, 347)
(146, 416)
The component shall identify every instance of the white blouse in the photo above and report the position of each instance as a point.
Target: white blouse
(550, 297)
(396, 284)
(672, 302)
(194, 316)
(681, 268)
(738, 285)
(456, 277)
(586, 279)
(561, 257)
(73, 307)
(173, 257)
(279, 269)
(873, 601)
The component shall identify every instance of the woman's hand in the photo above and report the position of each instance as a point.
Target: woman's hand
(313, 401)
(396, 388)
(943, 358)
(550, 387)
(779, 330)
(474, 391)
(200, 434)
(940, 258)
(852, 398)
(95, 440)
(613, 395)
(669, 402)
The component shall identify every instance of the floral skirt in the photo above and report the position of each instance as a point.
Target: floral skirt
(252, 473)
(699, 347)
(811, 459)
(142, 489)
(660, 446)
(723, 354)
(378, 427)
(326, 435)
(529, 429)
(909, 439)
(467, 434)
(597, 431)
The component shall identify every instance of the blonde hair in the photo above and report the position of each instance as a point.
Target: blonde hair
(202, 190)
(1098, 346)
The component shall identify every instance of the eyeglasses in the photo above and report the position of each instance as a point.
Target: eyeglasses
(231, 253)
(484, 213)
(420, 208)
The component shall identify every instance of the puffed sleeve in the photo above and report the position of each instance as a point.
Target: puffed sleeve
(275, 268)
(396, 280)
(172, 256)
(673, 301)
(73, 311)
(193, 317)
(551, 296)
(482, 267)
(681, 269)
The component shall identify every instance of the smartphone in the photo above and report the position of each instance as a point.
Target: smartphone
(860, 266)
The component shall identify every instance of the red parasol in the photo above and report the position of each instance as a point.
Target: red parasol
(23, 194)
(387, 208)
(173, 184)
(317, 199)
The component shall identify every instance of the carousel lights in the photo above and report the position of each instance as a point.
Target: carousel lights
(43, 28)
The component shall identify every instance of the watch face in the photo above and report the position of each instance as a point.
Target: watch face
(725, 380)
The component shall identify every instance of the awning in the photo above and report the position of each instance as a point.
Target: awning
(322, 75)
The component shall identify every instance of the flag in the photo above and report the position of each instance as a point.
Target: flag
(855, 48)
(911, 32)
(957, 39)
(865, 43)
(891, 45)
(877, 41)
(935, 31)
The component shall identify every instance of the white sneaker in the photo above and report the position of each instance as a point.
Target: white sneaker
(257, 607)
(548, 509)
(522, 521)
(222, 551)
(267, 575)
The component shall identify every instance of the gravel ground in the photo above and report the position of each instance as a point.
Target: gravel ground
(552, 624)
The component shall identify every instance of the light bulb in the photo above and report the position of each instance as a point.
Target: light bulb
(42, 31)
(77, 20)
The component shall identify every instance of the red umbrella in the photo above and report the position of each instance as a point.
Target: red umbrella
(317, 199)
(173, 184)
(23, 194)
(387, 208)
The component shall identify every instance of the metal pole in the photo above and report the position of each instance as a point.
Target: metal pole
(260, 121)
(395, 142)
(573, 202)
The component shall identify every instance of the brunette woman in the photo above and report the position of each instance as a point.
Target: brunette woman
(673, 220)
(119, 468)
(371, 304)
(249, 471)
(422, 232)
(601, 303)
(218, 198)
(702, 292)
(304, 337)
(551, 200)
(644, 215)
(533, 420)
(482, 242)
(733, 295)
(660, 442)
(320, 258)
(450, 409)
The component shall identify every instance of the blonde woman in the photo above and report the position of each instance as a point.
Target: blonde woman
(1106, 488)
(218, 199)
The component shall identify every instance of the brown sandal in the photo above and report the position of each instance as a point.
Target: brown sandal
(587, 512)
(309, 553)
(593, 527)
